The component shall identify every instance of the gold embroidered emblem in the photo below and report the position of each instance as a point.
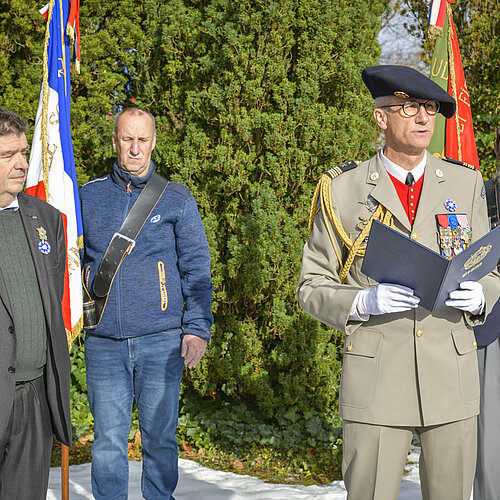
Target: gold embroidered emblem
(477, 257)
(399, 93)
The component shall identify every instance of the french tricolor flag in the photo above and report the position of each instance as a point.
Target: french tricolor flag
(51, 174)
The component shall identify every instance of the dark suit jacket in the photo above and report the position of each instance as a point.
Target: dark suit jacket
(50, 275)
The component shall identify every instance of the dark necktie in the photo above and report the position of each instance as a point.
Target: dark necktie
(409, 179)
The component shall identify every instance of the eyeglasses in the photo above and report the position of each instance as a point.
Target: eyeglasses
(412, 108)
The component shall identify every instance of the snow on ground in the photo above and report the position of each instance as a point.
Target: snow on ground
(196, 481)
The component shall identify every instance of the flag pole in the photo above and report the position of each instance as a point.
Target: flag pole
(64, 472)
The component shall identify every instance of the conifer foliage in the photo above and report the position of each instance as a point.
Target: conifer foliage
(254, 100)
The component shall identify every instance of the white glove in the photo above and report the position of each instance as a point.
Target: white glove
(469, 297)
(386, 298)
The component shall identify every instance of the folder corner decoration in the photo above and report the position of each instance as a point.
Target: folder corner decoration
(392, 257)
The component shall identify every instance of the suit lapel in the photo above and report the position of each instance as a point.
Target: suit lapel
(32, 219)
(385, 192)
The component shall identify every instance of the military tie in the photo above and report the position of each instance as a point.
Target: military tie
(409, 179)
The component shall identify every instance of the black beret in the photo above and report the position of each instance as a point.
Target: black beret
(407, 83)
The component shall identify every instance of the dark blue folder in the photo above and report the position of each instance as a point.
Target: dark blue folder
(391, 257)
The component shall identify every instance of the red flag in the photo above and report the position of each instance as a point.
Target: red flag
(457, 141)
(460, 142)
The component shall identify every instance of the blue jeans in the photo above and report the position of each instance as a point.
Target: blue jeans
(149, 367)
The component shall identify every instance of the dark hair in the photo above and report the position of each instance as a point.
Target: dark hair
(11, 123)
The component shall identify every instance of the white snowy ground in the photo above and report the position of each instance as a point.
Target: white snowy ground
(197, 482)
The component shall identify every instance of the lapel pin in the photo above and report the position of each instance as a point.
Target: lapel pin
(43, 245)
(450, 205)
(439, 173)
(375, 176)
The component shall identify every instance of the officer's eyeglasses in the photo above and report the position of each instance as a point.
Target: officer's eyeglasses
(412, 108)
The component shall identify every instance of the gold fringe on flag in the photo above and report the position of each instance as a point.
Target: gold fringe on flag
(434, 32)
(75, 331)
(45, 101)
(451, 59)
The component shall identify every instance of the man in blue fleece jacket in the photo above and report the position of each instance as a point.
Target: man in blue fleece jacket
(157, 313)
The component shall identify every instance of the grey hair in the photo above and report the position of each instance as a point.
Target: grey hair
(11, 123)
(134, 110)
(387, 100)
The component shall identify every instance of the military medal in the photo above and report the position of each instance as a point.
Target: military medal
(454, 233)
(450, 205)
(44, 245)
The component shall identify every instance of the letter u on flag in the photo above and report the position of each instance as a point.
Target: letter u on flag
(454, 137)
(51, 174)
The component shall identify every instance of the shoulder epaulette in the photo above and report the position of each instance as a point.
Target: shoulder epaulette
(458, 162)
(339, 169)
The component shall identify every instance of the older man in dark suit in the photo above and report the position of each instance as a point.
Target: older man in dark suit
(34, 359)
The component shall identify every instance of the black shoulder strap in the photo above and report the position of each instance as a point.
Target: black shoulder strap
(123, 241)
(458, 162)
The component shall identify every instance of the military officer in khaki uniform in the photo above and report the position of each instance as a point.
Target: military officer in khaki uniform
(405, 370)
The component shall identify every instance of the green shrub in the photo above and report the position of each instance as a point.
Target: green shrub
(254, 100)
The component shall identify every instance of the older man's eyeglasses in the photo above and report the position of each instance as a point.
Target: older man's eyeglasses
(412, 108)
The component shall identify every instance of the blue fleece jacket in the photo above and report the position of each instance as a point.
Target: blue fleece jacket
(164, 283)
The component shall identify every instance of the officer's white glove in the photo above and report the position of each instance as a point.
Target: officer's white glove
(386, 298)
(469, 297)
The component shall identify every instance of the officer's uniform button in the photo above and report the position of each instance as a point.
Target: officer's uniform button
(414, 236)
(349, 348)
(11, 369)
(474, 344)
(11, 329)
(419, 333)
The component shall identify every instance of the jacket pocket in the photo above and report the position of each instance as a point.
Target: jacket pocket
(465, 345)
(360, 367)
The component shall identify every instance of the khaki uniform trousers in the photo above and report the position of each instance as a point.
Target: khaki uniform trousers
(375, 456)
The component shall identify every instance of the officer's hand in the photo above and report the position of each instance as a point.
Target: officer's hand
(469, 297)
(193, 348)
(386, 298)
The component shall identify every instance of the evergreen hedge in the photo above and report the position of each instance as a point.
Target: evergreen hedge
(254, 101)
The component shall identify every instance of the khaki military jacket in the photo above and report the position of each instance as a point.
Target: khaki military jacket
(412, 368)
